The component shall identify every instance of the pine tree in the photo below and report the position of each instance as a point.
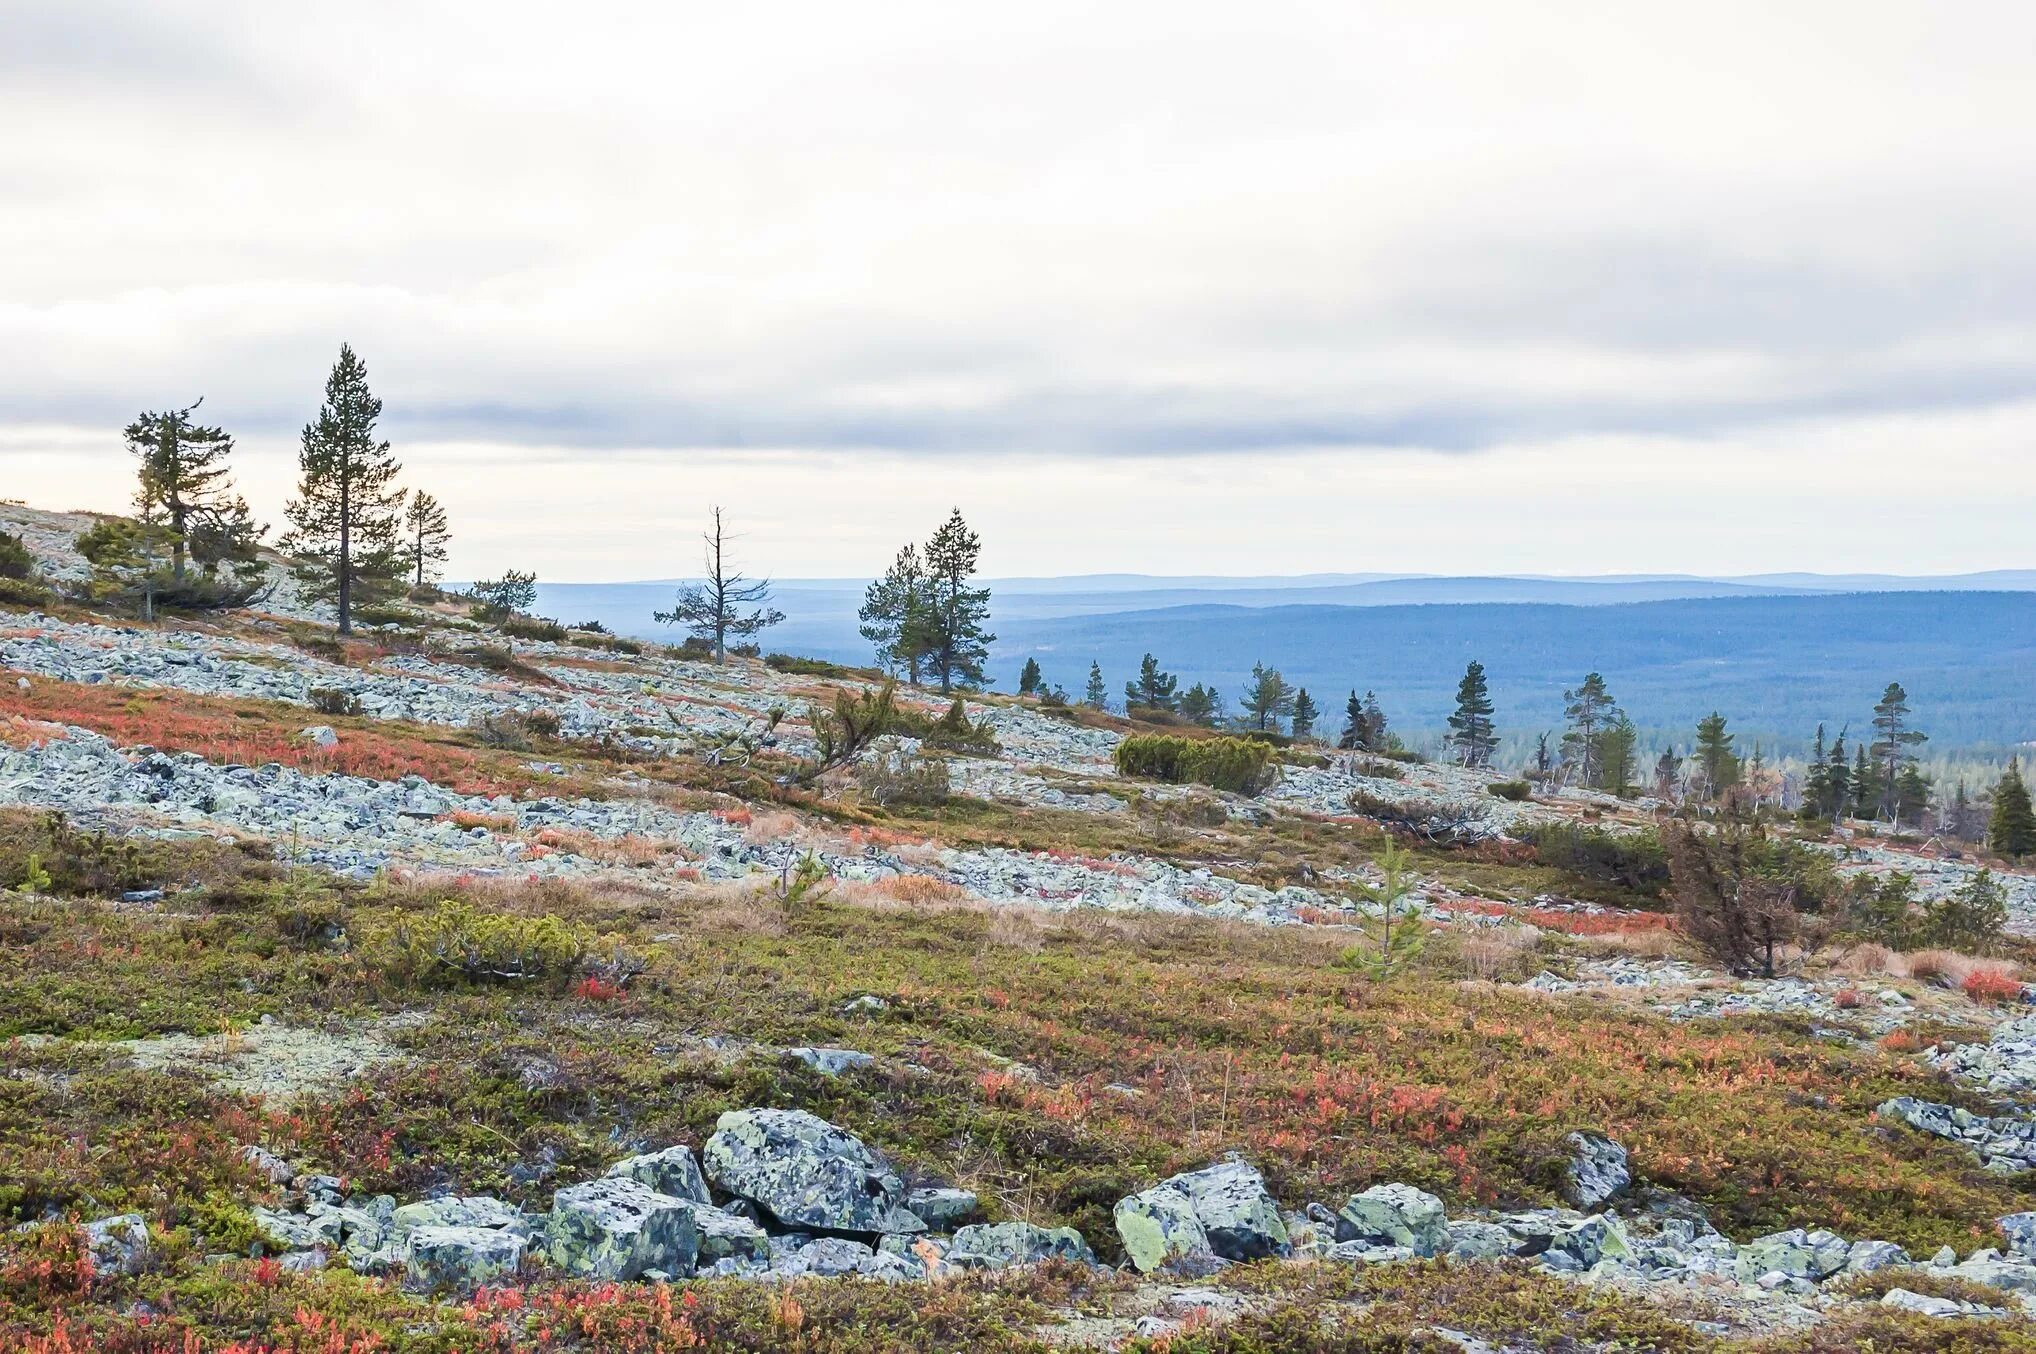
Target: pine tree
(957, 645)
(1375, 737)
(1912, 796)
(186, 485)
(425, 535)
(1588, 708)
(727, 603)
(1201, 705)
(1353, 738)
(1096, 697)
(893, 614)
(1837, 781)
(344, 520)
(1619, 757)
(1267, 699)
(1305, 714)
(1666, 772)
(1471, 734)
(1865, 795)
(1715, 757)
(1154, 689)
(1030, 682)
(1891, 749)
(1816, 778)
(2011, 827)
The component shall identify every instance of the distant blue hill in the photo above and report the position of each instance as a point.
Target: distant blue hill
(1776, 657)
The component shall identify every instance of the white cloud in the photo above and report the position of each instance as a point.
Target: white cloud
(1039, 254)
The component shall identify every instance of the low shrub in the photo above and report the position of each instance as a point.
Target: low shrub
(460, 943)
(1991, 986)
(516, 730)
(533, 628)
(952, 732)
(1518, 791)
(1242, 765)
(375, 614)
(331, 700)
(1635, 861)
(900, 777)
(15, 561)
(813, 667)
(24, 592)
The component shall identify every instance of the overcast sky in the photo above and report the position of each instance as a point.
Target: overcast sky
(1168, 288)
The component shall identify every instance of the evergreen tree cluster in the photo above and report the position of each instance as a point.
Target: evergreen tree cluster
(927, 617)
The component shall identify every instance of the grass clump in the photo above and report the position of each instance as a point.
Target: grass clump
(1242, 765)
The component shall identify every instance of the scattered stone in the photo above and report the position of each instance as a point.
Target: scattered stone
(462, 1258)
(673, 1171)
(1597, 1170)
(1797, 1253)
(321, 735)
(1395, 1215)
(1000, 1245)
(119, 1244)
(941, 1209)
(830, 1062)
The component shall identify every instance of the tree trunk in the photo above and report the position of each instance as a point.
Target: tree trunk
(345, 556)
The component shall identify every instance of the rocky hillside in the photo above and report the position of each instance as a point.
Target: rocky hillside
(438, 990)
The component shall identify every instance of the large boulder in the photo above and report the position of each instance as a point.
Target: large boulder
(1597, 1170)
(1000, 1245)
(1161, 1232)
(618, 1228)
(1241, 1217)
(1795, 1254)
(672, 1171)
(1395, 1215)
(806, 1172)
(462, 1258)
(2020, 1230)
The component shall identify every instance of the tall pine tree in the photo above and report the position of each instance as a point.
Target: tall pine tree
(344, 522)
(425, 534)
(956, 643)
(1097, 695)
(1267, 699)
(1715, 757)
(1471, 735)
(1306, 712)
(1153, 689)
(1588, 708)
(893, 614)
(1893, 746)
(1619, 757)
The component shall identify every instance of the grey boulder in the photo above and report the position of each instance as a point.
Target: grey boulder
(1232, 1204)
(618, 1228)
(1160, 1231)
(1597, 1170)
(941, 1209)
(1000, 1245)
(1797, 1253)
(462, 1258)
(119, 1244)
(672, 1171)
(806, 1172)
(1395, 1215)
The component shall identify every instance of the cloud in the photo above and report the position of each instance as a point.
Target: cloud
(952, 233)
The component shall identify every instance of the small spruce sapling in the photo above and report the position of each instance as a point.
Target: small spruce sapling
(1392, 940)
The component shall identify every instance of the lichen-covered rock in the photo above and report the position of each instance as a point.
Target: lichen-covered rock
(1597, 1170)
(462, 1258)
(469, 1210)
(282, 1231)
(1395, 1215)
(119, 1244)
(617, 1228)
(806, 1172)
(999, 1245)
(724, 1236)
(2020, 1230)
(672, 1171)
(1160, 1231)
(826, 1257)
(941, 1209)
(1240, 1216)
(1870, 1257)
(1797, 1253)
(1475, 1240)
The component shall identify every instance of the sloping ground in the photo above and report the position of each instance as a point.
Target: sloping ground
(419, 951)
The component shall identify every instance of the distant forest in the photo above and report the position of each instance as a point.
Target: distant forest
(1775, 666)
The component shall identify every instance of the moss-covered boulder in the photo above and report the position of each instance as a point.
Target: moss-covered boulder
(1000, 1245)
(1160, 1231)
(1395, 1215)
(807, 1173)
(618, 1228)
(672, 1171)
(462, 1258)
